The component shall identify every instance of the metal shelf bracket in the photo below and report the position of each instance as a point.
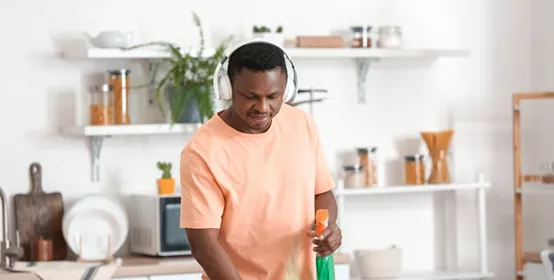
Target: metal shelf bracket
(362, 66)
(95, 147)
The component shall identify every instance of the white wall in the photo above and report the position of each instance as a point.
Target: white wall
(404, 97)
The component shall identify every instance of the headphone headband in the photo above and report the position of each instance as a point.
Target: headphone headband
(222, 83)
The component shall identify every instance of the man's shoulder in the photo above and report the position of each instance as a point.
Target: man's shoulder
(203, 139)
(293, 114)
(296, 117)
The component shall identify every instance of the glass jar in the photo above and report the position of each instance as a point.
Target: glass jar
(101, 105)
(367, 158)
(414, 170)
(353, 176)
(361, 37)
(390, 37)
(119, 81)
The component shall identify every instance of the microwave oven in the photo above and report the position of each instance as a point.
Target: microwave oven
(154, 226)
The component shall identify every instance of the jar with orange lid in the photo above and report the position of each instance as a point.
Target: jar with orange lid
(101, 108)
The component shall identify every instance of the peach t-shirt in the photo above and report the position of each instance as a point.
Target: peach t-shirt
(258, 189)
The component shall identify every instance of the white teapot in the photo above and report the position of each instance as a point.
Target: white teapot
(111, 39)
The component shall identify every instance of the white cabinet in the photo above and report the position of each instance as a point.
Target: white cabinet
(187, 276)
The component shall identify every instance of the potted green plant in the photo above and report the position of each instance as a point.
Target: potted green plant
(189, 78)
(166, 184)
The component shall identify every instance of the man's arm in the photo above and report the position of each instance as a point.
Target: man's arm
(210, 255)
(202, 205)
(327, 201)
(324, 199)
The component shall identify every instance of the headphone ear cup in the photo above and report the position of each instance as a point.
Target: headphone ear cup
(290, 89)
(226, 88)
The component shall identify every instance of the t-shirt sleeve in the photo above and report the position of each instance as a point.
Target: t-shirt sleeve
(323, 178)
(202, 200)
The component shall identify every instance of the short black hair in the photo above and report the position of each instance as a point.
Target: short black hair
(256, 57)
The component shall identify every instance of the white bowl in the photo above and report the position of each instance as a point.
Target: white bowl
(89, 224)
(378, 263)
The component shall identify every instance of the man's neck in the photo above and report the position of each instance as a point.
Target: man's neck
(232, 119)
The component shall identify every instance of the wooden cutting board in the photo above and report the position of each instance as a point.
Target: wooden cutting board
(39, 214)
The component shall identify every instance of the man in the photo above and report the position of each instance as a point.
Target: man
(252, 177)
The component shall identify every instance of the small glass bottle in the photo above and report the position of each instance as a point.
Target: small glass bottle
(353, 176)
(414, 170)
(361, 36)
(101, 105)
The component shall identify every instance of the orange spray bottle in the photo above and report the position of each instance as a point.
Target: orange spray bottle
(325, 266)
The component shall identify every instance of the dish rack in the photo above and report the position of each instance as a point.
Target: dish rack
(108, 257)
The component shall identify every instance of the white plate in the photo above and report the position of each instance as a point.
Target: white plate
(89, 224)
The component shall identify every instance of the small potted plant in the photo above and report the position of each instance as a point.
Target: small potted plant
(166, 184)
(265, 33)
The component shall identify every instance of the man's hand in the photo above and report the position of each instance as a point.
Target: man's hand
(328, 242)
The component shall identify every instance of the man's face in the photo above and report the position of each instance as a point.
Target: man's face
(258, 96)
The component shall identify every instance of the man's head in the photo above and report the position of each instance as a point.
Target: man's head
(258, 77)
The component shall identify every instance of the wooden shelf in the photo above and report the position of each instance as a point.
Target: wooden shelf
(532, 257)
(519, 178)
(411, 189)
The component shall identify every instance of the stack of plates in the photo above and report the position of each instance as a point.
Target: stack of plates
(95, 227)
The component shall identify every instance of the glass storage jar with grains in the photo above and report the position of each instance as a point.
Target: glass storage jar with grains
(367, 158)
(119, 81)
(353, 176)
(101, 110)
(414, 170)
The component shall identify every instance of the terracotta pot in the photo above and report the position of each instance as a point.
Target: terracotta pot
(166, 186)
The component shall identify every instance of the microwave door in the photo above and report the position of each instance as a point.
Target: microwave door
(173, 238)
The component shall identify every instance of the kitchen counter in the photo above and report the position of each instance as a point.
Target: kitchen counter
(136, 266)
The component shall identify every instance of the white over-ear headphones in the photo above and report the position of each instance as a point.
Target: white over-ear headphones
(222, 83)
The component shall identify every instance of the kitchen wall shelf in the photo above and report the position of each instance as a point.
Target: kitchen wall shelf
(135, 129)
(411, 189)
(520, 178)
(447, 214)
(96, 134)
(362, 57)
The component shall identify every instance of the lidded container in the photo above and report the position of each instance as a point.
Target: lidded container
(361, 36)
(390, 37)
(120, 84)
(101, 109)
(414, 170)
(367, 158)
(353, 176)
